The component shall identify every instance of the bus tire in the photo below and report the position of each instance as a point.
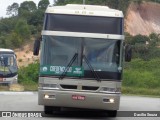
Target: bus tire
(112, 113)
(51, 109)
(48, 109)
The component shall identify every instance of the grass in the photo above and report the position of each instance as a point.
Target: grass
(142, 77)
(30, 85)
(33, 87)
(141, 91)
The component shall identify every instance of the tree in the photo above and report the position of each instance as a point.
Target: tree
(7, 25)
(13, 9)
(153, 39)
(141, 39)
(29, 6)
(43, 4)
(2, 41)
(26, 8)
(15, 39)
(36, 18)
(22, 29)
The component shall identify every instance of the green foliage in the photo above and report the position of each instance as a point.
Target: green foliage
(13, 9)
(43, 4)
(144, 47)
(29, 6)
(142, 74)
(29, 75)
(26, 10)
(22, 29)
(7, 25)
(141, 91)
(25, 20)
(15, 40)
(139, 39)
(36, 18)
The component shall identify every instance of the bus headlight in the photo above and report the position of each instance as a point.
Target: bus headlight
(110, 90)
(111, 100)
(46, 96)
(49, 86)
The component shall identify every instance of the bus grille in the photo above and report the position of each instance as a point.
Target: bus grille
(75, 87)
(69, 86)
(89, 88)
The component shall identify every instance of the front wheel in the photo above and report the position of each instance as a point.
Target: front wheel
(51, 109)
(48, 109)
(112, 113)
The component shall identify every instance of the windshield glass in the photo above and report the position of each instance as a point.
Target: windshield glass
(88, 24)
(59, 52)
(102, 54)
(8, 64)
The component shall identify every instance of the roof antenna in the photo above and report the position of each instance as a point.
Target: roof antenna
(84, 2)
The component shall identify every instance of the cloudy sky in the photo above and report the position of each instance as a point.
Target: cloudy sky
(5, 3)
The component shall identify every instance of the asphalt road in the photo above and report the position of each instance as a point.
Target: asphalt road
(27, 101)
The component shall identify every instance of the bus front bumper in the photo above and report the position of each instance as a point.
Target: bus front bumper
(74, 99)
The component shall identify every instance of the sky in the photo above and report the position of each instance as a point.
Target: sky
(5, 3)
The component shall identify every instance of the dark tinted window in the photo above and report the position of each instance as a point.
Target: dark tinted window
(88, 24)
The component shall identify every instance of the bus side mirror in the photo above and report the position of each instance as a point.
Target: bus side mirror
(128, 53)
(36, 47)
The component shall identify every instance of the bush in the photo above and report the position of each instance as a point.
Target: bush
(29, 75)
(142, 74)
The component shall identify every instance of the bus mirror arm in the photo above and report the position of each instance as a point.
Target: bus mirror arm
(128, 53)
(36, 47)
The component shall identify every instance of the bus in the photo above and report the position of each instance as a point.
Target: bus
(81, 58)
(8, 67)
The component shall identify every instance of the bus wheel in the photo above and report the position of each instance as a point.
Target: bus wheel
(51, 109)
(112, 113)
(48, 109)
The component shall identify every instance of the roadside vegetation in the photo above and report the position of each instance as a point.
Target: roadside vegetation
(28, 76)
(141, 75)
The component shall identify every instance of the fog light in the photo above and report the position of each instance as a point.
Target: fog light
(46, 96)
(111, 100)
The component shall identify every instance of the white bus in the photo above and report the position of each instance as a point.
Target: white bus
(81, 58)
(8, 67)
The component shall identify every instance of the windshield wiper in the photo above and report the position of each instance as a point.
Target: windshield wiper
(68, 66)
(91, 68)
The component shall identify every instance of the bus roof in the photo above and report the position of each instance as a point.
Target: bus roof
(5, 50)
(89, 10)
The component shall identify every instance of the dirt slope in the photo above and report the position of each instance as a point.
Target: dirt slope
(25, 54)
(143, 19)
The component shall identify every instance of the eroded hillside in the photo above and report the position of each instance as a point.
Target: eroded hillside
(143, 19)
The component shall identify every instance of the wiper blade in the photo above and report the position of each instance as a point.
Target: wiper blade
(68, 66)
(91, 68)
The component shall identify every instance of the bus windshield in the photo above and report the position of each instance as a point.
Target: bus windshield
(8, 64)
(101, 54)
(88, 24)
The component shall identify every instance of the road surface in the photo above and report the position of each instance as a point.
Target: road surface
(27, 101)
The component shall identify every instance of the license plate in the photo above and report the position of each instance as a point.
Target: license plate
(1, 79)
(78, 97)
